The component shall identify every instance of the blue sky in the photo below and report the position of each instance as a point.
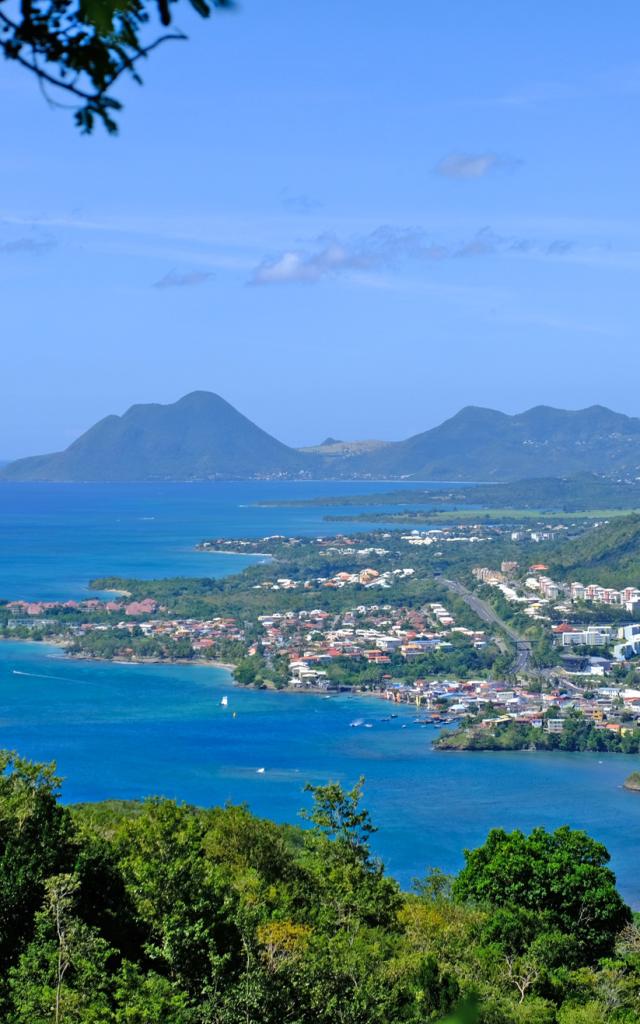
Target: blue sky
(347, 219)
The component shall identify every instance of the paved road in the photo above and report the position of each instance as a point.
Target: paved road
(485, 612)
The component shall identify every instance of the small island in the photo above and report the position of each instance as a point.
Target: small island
(632, 782)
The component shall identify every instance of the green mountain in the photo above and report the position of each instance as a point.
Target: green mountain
(482, 444)
(200, 437)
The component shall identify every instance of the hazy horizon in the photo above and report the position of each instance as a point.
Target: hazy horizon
(377, 437)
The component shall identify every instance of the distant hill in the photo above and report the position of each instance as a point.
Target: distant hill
(335, 451)
(200, 437)
(482, 444)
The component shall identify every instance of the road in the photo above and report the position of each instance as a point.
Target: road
(484, 611)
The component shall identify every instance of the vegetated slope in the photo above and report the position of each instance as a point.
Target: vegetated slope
(202, 437)
(482, 444)
(168, 914)
(608, 554)
(336, 450)
(199, 437)
(584, 492)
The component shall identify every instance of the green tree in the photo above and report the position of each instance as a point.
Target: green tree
(144, 997)
(37, 840)
(545, 883)
(62, 977)
(353, 887)
(180, 901)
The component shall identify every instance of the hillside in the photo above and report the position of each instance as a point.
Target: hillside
(482, 444)
(163, 913)
(331, 448)
(200, 437)
(608, 555)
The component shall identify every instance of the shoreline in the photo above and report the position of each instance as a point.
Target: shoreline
(308, 691)
(64, 645)
(242, 554)
(226, 666)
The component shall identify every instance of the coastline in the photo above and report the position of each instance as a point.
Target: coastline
(241, 554)
(436, 746)
(62, 645)
(632, 783)
(226, 666)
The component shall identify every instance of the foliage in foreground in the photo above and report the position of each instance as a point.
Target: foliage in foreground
(156, 913)
(80, 49)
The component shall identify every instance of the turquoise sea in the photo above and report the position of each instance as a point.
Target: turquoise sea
(55, 537)
(127, 731)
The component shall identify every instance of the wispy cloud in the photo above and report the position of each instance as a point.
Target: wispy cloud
(28, 245)
(467, 166)
(386, 248)
(609, 83)
(299, 202)
(190, 279)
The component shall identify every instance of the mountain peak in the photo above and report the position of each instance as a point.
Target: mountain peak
(198, 437)
(201, 397)
(202, 437)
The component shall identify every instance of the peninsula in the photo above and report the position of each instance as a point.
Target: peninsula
(632, 782)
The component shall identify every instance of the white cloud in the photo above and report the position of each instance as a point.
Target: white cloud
(386, 248)
(473, 165)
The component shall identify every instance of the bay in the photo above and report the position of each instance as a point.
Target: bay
(134, 730)
(130, 731)
(54, 538)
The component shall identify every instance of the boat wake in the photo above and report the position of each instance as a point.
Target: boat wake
(38, 675)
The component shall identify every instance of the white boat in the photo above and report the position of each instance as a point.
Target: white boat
(224, 701)
(260, 771)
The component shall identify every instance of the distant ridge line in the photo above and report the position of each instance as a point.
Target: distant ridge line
(202, 437)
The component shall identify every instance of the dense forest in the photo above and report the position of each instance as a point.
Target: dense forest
(159, 913)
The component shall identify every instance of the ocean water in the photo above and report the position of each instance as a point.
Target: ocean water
(119, 730)
(54, 538)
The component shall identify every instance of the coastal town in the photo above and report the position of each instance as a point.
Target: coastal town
(390, 623)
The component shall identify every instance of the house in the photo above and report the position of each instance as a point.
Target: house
(554, 725)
